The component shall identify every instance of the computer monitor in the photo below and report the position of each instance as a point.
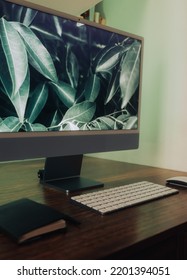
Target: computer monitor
(68, 87)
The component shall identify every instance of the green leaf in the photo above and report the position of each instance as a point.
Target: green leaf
(70, 127)
(47, 34)
(10, 124)
(35, 127)
(108, 58)
(132, 123)
(106, 123)
(37, 101)
(72, 68)
(56, 118)
(113, 87)
(19, 100)
(129, 78)
(4, 127)
(28, 15)
(39, 57)
(81, 112)
(58, 25)
(65, 92)
(92, 88)
(124, 116)
(14, 61)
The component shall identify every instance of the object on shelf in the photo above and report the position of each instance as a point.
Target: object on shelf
(94, 16)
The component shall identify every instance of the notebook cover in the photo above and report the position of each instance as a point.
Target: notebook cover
(22, 216)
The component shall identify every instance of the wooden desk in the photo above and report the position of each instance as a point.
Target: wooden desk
(155, 230)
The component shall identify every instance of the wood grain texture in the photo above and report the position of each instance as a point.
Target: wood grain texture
(154, 230)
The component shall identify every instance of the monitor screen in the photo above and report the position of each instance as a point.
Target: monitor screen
(67, 86)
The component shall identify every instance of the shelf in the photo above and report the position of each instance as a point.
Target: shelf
(68, 6)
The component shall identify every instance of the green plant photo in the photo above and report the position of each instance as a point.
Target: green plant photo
(52, 79)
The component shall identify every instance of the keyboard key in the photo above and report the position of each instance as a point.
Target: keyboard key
(113, 199)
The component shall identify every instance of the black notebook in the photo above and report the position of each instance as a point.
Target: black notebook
(25, 219)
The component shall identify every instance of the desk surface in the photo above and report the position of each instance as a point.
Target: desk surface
(139, 232)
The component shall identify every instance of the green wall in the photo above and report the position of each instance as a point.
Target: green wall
(163, 24)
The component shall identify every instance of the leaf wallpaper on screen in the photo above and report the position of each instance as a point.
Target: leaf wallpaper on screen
(57, 74)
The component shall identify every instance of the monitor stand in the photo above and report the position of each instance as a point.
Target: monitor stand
(64, 173)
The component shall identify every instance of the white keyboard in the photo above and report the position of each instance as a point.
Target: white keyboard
(113, 199)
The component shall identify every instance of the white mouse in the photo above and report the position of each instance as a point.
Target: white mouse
(178, 180)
